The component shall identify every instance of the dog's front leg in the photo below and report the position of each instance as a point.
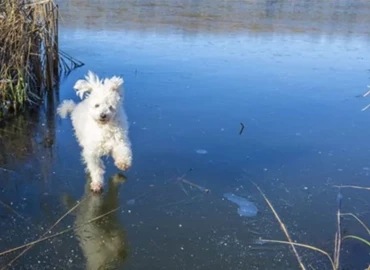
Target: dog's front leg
(122, 155)
(96, 169)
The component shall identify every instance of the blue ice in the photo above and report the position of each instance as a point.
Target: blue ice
(131, 202)
(246, 208)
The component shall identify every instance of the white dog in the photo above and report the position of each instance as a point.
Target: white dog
(100, 125)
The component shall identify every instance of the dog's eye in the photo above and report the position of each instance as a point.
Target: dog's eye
(96, 105)
(111, 108)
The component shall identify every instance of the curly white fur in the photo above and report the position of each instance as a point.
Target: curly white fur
(66, 108)
(100, 124)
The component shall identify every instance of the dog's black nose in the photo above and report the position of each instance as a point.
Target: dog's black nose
(103, 116)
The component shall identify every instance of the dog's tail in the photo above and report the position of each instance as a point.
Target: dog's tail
(66, 107)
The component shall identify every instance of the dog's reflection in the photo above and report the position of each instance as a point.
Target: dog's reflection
(103, 242)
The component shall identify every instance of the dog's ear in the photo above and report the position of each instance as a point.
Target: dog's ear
(87, 85)
(114, 83)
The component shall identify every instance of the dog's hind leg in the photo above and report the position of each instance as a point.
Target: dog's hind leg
(96, 169)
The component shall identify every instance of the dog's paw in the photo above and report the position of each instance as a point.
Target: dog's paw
(96, 187)
(123, 165)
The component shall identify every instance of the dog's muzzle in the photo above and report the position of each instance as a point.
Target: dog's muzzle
(103, 118)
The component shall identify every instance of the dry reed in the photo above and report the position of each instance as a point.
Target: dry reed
(48, 231)
(335, 261)
(358, 220)
(354, 187)
(11, 209)
(283, 228)
(30, 60)
(58, 233)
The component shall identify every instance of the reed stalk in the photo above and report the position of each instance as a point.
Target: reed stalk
(30, 59)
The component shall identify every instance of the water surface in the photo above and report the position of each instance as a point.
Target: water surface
(291, 72)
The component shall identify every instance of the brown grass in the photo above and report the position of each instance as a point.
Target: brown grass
(30, 60)
(58, 233)
(354, 187)
(47, 232)
(335, 260)
(283, 228)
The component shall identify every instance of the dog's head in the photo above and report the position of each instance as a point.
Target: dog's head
(104, 97)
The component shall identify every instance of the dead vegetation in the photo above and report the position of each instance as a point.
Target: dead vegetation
(334, 260)
(30, 59)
